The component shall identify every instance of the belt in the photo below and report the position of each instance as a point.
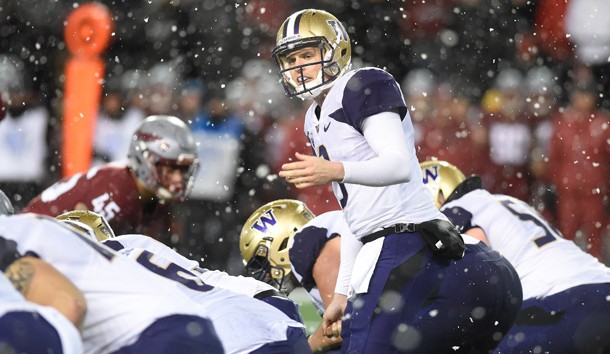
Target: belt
(396, 229)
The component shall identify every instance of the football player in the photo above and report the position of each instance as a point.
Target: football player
(239, 284)
(285, 245)
(362, 135)
(135, 196)
(268, 328)
(565, 290)
(129, 309)
(38, 302)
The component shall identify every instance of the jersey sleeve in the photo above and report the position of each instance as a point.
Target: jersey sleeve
(460, 217)
(368, 92)
(8, 252)
(304, 252)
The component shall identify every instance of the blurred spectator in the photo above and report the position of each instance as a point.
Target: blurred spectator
(509, 136)
(542, 102)
(589, 30)
(162, 86)
(578, 167)
(190, 101)
(448, 132)
(23, 135)
(550, 29)
(227, 184)
(419, 87)
(115, 125)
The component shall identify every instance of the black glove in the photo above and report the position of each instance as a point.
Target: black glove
(444, 238)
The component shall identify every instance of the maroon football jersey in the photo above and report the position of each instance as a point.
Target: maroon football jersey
(109, 190)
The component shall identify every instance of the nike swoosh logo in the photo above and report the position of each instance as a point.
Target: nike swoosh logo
(327, 126)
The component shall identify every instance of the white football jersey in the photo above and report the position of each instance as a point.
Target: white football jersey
(122, 298)
(545, 261)
(229, 312)
(337, 136)
(239, 284)
(305, 246)
(11, 300)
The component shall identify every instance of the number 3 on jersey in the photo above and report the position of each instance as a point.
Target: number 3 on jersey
(324, 154)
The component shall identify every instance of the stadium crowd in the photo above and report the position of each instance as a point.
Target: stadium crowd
(203, 172)
(490, 85)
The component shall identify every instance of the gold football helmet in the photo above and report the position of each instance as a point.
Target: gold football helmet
(264, 238)
(312, 28)
(441, 178)
(83, 220)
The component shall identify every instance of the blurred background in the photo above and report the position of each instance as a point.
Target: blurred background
(487, 83)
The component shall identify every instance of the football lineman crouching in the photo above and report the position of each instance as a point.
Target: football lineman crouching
(553, 271)
(269, 329)
(285, 245)
(47, 306)
(129, 310)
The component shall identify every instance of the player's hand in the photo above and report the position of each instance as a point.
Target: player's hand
(310, 171)
(331, 320)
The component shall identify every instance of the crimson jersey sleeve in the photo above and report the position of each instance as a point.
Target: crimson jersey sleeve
(111, 191)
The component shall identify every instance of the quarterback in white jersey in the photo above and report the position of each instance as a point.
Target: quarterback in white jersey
(125, 303)
(553, 271)
(362, 136)
(26, 327)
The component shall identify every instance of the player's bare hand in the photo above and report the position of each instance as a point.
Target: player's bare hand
(331, 320)
(309, 171)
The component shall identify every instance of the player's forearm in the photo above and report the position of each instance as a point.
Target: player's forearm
(41, 283)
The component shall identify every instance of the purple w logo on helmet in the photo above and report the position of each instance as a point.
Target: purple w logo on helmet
(266, 220)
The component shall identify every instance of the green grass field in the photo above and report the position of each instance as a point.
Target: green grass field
(308, 310)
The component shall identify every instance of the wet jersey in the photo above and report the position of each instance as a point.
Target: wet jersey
(546, 263)
(305, 247)
(239, 284)
(229, 312)
(109, 190)
(14, 307)
(335, 134)
(122, 298)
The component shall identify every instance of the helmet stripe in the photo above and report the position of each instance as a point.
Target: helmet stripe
(285, 31)
(293, 23)
(296, 23)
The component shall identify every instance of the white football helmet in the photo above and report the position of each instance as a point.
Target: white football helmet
(160, 142)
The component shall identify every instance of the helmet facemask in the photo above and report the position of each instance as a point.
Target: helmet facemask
(160, 180)
(260, 268)
(328, 71)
